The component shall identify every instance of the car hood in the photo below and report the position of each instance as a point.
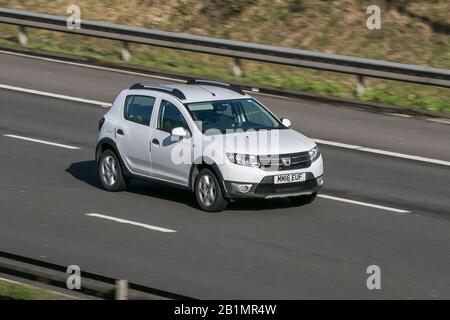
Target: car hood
(266, 142)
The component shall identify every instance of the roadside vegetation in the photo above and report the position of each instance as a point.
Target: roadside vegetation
(414, 32)
(17, 291)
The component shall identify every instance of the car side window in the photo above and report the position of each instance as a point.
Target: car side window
(170, 117)
(139, 109)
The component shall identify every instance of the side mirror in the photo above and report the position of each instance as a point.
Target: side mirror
(286, 122)
(179, 132)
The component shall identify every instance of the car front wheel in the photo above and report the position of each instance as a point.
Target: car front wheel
(208, 192)
(110, 172)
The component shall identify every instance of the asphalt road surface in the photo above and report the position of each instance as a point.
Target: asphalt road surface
(376, 210)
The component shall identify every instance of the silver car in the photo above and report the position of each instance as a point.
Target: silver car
(207, 137)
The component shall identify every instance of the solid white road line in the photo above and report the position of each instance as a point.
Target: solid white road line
(42, 141)
(439, 120)
(13, 282)
(336, 144)
(382, 152)
(138, 224)
(30, 286)
(365, 204)
(78, 64)
(400, 115)
(320, 141)
(54, 95)
(141, 74)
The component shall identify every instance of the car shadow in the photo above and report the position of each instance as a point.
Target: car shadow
(260, 204)
(86, 171)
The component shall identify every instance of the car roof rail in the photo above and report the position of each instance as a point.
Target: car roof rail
(229, 86)
(173, 91)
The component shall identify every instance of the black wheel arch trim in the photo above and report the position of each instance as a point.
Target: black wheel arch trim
(110, 143)
(211, 165)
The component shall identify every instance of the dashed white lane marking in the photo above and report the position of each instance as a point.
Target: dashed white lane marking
(42, 141)
(138, 224)
(365, 204)
(383, 152)
(54, 95)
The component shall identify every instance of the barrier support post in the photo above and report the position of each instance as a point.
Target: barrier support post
(360, 87)
(121, 290)
(125, 52)
(237, 68)
(23, 35)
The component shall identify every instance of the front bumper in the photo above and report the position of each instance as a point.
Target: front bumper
(266, 189)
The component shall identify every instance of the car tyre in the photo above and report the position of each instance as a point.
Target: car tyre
(304, 199)
(208, 192)
(110, 172)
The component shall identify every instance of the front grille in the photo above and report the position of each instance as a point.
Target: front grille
(271, 188)
(299, 160)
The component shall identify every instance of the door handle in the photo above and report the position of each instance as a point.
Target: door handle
(120, 132)
(155, 142)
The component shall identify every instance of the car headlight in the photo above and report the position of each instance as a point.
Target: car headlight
(244, 159)
(314, 153)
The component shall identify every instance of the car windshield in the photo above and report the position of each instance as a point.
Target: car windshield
(230, 115)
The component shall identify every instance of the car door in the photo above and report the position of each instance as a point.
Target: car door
(133, 133)
(167, 162)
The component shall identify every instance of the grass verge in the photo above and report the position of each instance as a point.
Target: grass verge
(16, 291)
(325, 83)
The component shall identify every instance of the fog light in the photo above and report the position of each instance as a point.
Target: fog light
(320, 181)
(242, 188)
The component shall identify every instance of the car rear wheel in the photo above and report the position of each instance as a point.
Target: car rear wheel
(110, 172)
(208, 192)
(305, 199)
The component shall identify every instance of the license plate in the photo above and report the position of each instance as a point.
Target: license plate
(290, 178)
